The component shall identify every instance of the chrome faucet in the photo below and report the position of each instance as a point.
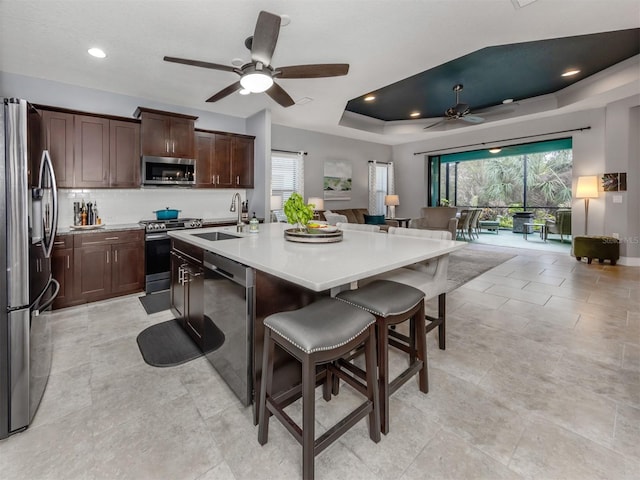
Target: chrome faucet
(237, 206)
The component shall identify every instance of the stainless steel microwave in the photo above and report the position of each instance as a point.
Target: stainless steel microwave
(168, 171)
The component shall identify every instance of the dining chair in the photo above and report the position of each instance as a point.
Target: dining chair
(430, 276)
(463, 222)
(362, 227)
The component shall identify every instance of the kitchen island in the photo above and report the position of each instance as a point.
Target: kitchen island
(289, 275)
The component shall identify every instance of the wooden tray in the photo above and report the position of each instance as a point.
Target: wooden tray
(293, 235)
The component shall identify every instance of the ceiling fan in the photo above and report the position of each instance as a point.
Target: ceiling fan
(258, 75)
(460, 111)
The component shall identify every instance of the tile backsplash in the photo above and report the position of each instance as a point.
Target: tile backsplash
(118, 206)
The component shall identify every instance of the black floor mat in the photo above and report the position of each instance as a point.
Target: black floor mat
(156, 302)
(166, 344)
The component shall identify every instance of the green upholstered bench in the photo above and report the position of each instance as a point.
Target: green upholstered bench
(600, 247)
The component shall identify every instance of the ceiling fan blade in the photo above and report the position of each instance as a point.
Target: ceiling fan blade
(439, 122)
(265, 37)
(462, 108)
(224, 92)
(472, 119)
(198, 63)
(313, 71)
(279, 95)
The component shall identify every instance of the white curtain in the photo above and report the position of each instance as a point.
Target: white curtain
(373, 194)
(381, 183)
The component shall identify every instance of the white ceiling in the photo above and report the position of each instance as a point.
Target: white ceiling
(384, 41)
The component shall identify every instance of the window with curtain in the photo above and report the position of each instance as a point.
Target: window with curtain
(287, 175)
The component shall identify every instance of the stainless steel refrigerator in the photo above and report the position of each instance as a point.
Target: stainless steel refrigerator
(28, 224)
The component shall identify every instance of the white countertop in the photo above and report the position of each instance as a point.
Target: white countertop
(320, 267)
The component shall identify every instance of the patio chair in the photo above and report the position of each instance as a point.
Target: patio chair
(560, 225)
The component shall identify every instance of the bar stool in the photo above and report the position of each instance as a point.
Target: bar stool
(319, 333)
(393, 303)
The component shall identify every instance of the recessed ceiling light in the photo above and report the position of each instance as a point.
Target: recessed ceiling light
(507, 100)
(237, 62)
(369, 98)
(244, 91)
(570, 73)
(414, 114)
(97, 52)
(495, 150)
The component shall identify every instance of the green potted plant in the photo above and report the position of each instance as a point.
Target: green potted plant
(298, 213)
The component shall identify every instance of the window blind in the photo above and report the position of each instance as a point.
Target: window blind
(287, 174)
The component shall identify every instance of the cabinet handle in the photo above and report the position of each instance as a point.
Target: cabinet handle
(115, 255)
(237, 179)
(68, 262)
(112, 238)
(58, 243)
(107, 256)
(218, 180)
(166, 146)
(173, 147)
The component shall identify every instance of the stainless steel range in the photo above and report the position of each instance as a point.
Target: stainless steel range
(158, 250)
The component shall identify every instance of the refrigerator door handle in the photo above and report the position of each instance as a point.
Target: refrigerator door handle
(45, 163)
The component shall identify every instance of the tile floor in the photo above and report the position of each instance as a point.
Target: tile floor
(540, 380)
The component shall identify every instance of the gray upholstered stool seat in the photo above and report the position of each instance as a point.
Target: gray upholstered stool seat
(393, 303)
(383, 297)
(319, 333)
(323, 325)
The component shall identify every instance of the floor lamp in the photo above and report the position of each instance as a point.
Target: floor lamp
(587, 188)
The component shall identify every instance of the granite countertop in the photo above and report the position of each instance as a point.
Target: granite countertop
(320, 267)
(67, 230)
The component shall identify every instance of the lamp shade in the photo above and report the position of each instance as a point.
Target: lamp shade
(587, 187)
(276, 202)
(391, 200)
(317, 202)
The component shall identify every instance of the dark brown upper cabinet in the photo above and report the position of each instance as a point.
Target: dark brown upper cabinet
(91, 154)
(58, 139)
(224, 160)
(166, 134)
(91, 151)
(124, 154)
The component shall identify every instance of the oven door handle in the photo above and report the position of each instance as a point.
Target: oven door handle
(156, 236)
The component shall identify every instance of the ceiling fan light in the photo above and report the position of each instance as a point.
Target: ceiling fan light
(244, 91)
(256, 82)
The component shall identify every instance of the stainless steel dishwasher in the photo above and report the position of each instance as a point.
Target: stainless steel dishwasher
(229, 299)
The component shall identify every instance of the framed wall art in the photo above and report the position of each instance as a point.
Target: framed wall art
(614, 182)
(337, 180)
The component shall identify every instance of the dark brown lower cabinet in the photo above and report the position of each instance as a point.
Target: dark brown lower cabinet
(97, 266)
(62, 271)
(187, 289)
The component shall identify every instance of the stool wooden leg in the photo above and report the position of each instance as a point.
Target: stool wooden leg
(442, 315)
(308, 418)
(265, 387)
(382, 338)
(327, 386)
(423, 376)
(372, 384)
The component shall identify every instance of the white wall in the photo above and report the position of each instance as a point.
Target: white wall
(610, 145)
(259, 125)
(321, 147)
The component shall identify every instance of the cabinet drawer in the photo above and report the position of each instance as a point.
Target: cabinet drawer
(63, 241)
(192, 252)
(108, 238)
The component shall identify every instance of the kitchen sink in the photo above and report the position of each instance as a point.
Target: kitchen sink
(214, 236)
